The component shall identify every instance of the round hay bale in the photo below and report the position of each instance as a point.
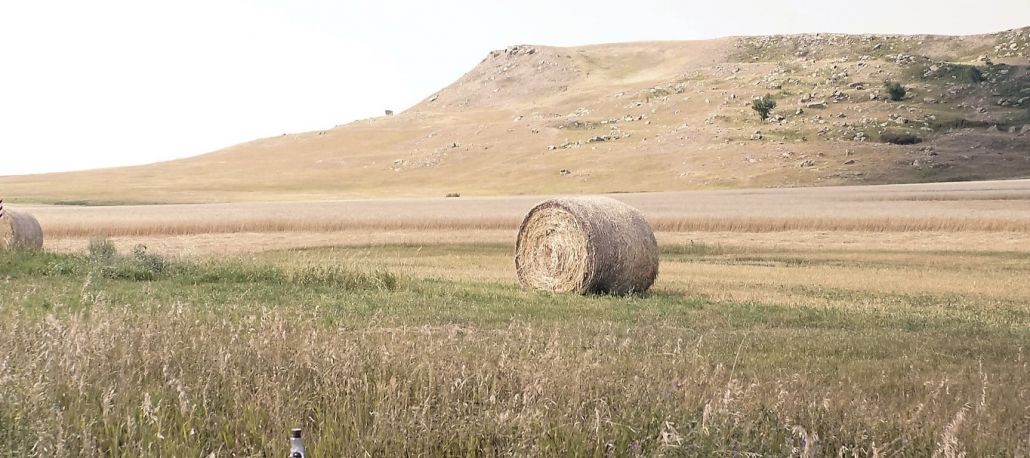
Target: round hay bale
(20, 231)
(586, 245)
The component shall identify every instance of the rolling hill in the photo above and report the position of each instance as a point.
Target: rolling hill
(653, 116)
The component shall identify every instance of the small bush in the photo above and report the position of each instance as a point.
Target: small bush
(895, 90)
(899, 138)
(973, 74)
(101, 250)
(453, 194)
(763, 105)
(961, 72)
(150, 262)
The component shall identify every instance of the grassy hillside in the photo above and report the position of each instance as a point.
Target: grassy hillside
(637, 117)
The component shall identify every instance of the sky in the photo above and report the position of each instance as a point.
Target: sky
(91, 84)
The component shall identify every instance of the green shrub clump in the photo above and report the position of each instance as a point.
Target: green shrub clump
(763, 105)
(895, 90)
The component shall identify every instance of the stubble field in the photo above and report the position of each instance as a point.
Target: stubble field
(888, 321)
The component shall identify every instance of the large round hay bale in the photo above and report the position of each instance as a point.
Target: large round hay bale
(586, 245)
(20, 231)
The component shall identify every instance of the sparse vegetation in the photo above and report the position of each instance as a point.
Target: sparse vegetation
(899, 138)
(895, 90)
(968, 73)
(453, 194)
(101, 250)
(763, 105)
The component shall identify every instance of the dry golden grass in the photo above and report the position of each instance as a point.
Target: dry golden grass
(739, 349)
(932, 207)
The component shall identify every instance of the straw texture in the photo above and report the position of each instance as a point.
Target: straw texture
(586, 245)
(20, 231)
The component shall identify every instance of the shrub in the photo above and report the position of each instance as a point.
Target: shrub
(763, 105)
(149, 262)
(101, 250)
(961, 72)
(453, 194)
(973, 74)
(899, 138)
(895, 90)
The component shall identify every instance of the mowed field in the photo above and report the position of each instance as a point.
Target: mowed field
(851, 321)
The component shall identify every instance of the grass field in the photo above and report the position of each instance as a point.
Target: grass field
(853, 340)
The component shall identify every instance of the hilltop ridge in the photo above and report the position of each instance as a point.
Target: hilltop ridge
(649, 116)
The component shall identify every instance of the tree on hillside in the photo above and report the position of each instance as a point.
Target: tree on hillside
(763, 105)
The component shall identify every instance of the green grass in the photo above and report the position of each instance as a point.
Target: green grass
(224, 357)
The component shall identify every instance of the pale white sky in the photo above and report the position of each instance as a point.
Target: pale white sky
(86, 84)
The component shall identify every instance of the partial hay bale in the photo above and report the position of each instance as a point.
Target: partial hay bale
(20, 231)
(586, 245)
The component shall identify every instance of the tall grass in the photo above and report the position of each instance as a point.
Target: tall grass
(93, 365)
(185, 382)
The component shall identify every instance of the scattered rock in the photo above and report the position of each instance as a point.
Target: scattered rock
(1025, 129)
(819, 104)
(800, 111)
(512, 51)
(564, 172)
(849, 162)
(757, 135)
(993, 128)
(806, 163)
